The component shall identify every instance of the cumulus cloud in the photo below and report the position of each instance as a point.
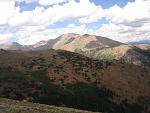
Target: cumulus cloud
(7, 9)
(129, 23)
(137, 12)
(5, 37)
(27, 23)
(72, 10)
(41, 16)
(29, 18)
(95, 16)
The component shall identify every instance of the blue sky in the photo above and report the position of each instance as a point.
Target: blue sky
(104, 3)
(30, 21)
(109, 3)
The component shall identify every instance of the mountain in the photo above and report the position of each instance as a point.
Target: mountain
(70, 42)
(140, 42)
(63, 78)
(41, 43)
(13, 106)
(100, 48)
(15, 46)
(138, 55)
(47, 45)
(10, 46)
(75, 42)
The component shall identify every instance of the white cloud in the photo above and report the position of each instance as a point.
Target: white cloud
(6, 11)
(73, 10)
(41, 16)
(71, 25)
(5, 37)
(97, 15)
(138, 11)
(31, 26)
(123, 33)
(28, 18)
(130, 23)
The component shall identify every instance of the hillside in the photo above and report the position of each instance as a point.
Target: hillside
(143, 46)
(64, 78)
(13, 106)
(138, 55)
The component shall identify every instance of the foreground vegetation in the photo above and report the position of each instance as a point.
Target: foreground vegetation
(64, 78)
(39, 89)
(13, 106)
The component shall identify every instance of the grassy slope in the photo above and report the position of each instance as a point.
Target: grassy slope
(13, 106)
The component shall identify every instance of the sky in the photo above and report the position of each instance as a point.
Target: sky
(30, 21)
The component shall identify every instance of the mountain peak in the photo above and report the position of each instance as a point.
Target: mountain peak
(41, 43)
(71, 42)
(75, 42)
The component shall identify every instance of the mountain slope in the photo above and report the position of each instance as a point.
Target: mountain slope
(70, 42)
(138, 55)
(143, 46)
(13, 106)
(70, 79)
(75, 42)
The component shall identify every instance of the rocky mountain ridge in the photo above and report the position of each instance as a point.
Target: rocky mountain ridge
(70, 42)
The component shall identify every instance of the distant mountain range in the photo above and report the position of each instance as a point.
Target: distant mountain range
(96, 47)
(15, 46)
(140, 42)
(70, 42)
